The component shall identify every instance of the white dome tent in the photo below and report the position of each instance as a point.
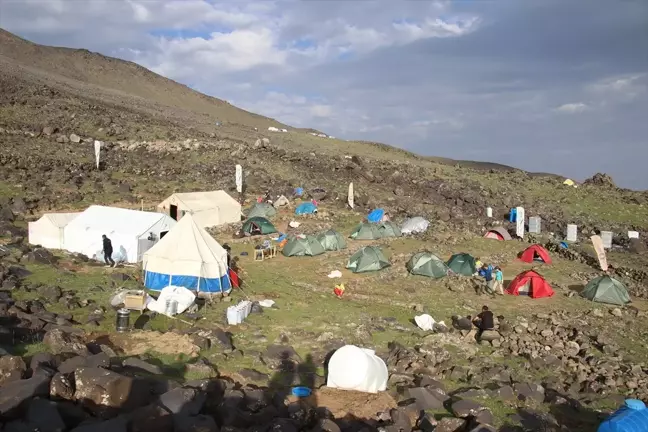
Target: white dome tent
(359, 369)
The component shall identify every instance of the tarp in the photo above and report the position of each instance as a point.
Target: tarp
(498, 233)
(306, 208)
(369, 258)
(389, 229)
(462, 264)
(530, 283)
(262, 209)
(281, 201)
(303, 246)
(332, 241)
(376, 215)
(187, 257)
(181, 295)
(606, 289)
(427, 264)
(415, 225)
(631, 417)
(258, 226)
(366, 231)
(535, 253)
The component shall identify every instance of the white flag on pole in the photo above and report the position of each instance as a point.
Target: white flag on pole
(239, 178)
(97, 148)
(350, 198)
(519, 222)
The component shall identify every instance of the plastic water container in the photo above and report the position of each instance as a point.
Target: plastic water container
(236, 314)
(513, 215)
(489, 212)
(359, 369)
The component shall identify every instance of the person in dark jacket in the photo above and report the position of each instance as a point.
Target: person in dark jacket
(108, 250)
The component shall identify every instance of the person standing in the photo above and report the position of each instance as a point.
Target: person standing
(499, 281)
(108, 251)
(487, 273)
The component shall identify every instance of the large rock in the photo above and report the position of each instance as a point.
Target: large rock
(14, 394)
(450, 424)
(61, 387)
(75, 138)
(43, 416)
(526, 391)
(465, 408)
(60, 341)
(183, 401)
(104, 392)
(277, 355)
(12, 368)
(118, 424)
(151, 418)
(141, 365)
(427, 399)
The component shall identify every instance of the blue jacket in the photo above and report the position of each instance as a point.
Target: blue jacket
(487, 273)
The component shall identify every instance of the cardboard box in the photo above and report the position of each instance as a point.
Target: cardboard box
(135, 300)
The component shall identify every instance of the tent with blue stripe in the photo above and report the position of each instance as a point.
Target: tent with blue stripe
(306, 208)
(188, 257)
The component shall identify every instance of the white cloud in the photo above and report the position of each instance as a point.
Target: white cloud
(321, 110)
(573, 108)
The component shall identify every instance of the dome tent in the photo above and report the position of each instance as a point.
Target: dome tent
(302, 246)
(187, 257)
(359, 369)
(415, 225)
(498, 233)
(389, 229)
(530, 283)
(462, 264)
(366, 231)
(332, 241)
(427, 264)
(369, 258)
(258, 226)
(264, 210)
(606, 289)
(535, 253)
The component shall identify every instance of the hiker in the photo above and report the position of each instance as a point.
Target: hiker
(498, 287)
(108, 250)
(486, 272)
(478, 264)
(484, 321)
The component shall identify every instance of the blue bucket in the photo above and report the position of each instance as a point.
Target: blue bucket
(301, 391)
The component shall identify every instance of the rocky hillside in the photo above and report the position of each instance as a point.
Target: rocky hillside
(160, 136)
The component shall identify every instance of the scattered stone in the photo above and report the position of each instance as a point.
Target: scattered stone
(139, 364)
(59, 341)
(465, 408)
(12, 368)
(183, 401)
(450, 424)
(75, 138)
(254, 375)
(427, 399)
(15, 393)
(616, 312)
(43, 416)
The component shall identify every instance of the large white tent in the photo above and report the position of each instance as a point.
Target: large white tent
(48, 231)
(209, 208)
(131, 232)
(188, 257)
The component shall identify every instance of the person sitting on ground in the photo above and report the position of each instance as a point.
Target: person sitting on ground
(463, 323)
(484, 321)
(498, 287)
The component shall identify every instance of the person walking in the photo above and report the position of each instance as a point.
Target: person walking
(487, 273)
(108, 250)
(499, 281)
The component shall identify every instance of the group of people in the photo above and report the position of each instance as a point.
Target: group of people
(477, 325)
(493, 278)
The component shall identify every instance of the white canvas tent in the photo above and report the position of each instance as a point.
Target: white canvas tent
(48, 230)
(132, 232)
(209, 209)
(188, 257)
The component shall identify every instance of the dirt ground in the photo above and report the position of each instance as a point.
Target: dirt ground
(351, 404)
(142, 342)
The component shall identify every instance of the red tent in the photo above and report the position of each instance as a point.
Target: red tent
(530, 283)
(535, 251)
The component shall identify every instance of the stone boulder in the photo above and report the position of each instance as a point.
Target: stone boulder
(12, 368)
(14, 395)
(105, 393)
(60, 341)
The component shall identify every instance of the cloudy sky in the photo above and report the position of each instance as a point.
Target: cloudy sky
(545, 85)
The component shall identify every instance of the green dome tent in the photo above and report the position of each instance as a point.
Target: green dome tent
(366, 231)
(389, 229)
(258, 226)
(332, 241)
(369, 258)
(302, 246)
(463, 264)
(264, 210)
(605, 289)
(427, 264)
